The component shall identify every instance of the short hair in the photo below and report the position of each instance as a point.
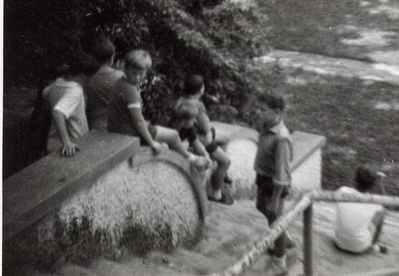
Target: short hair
(365, 177)
(138, 59)
(193, 84)
(103, 49)
(276, 102)
(83, 64)
(273, 101)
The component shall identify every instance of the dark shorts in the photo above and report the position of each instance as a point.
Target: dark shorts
(153, 132)
(211, 148)
(265, 187)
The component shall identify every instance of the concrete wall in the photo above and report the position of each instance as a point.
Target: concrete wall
(134, 203)
(305, 168)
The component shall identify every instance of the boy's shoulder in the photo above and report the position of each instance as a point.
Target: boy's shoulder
(64, 86)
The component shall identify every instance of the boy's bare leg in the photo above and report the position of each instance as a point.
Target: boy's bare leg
(222, 139)
(223, 162)
(378, 221)
(171, 137)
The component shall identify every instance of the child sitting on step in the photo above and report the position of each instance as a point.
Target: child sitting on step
(125, 110)
(190, 111)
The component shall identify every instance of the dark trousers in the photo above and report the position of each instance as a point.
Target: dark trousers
(264, 193)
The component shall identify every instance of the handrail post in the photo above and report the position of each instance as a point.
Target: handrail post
(307, 241)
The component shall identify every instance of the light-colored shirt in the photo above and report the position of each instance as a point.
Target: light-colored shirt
(353, 227)
(274, 155)
(66, 97)
(99, 90)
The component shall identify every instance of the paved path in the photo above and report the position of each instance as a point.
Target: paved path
(332, 67)
(230, 232)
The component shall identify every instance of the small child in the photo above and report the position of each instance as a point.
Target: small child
(67, 104)
(190, 104)
(125, 110)
(358, 226)
(272, 168)
(100, 85)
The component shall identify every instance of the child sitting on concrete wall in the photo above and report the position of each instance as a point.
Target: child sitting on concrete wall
(195, 113)
(67, 104)
(99, 86)
(125, 111)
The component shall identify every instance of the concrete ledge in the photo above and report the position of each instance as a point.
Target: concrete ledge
(305, 168)
(120, 198)
(41, 187)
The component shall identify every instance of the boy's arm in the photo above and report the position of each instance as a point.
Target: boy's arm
(282, 174)
(203, 119)
(68, 148)
(136, 115)
(199, 148)
(61, 112)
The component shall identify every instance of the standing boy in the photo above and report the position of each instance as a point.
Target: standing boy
(125, 110)
(67, 104)
(272, 168)
(100, 85)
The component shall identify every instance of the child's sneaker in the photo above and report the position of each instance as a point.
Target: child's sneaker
(215, 195)
(379, 248)
(228, 179)
(289, 242)
(279, 265)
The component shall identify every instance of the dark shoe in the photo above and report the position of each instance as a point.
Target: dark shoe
(228, 180)
(227, 198)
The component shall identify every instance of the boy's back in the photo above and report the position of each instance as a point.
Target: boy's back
(99, 93)
(119, 119)
(66, 97)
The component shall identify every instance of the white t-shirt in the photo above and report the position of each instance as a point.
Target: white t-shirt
(66, 97)
(354, 229)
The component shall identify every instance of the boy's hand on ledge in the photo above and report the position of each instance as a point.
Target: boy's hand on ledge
(69, 149)
(156, 147)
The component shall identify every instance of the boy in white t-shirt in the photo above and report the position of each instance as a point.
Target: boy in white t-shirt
(358, 225)
(67, 104)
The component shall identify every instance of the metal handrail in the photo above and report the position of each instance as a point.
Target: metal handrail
(305, 205)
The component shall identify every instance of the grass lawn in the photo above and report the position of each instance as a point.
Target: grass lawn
(356, 131)
(320, 26)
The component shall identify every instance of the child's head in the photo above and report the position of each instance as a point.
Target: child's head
(137, 63)
(83, 65)
(193, 85)
(187, 114)
(271, 115)
(103, 49)
(366, 178)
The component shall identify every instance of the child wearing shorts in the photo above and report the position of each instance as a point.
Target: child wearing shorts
(125, 111)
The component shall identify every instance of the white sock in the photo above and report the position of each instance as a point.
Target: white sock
(191, 158)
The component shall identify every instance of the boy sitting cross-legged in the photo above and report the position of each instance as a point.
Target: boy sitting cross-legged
(125, 110)
(66, 101)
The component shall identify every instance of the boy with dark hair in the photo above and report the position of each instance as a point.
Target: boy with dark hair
(358, 226)
(125, 110)
(66, 101)
(100, 85)
(272, 166)
(190, 104)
